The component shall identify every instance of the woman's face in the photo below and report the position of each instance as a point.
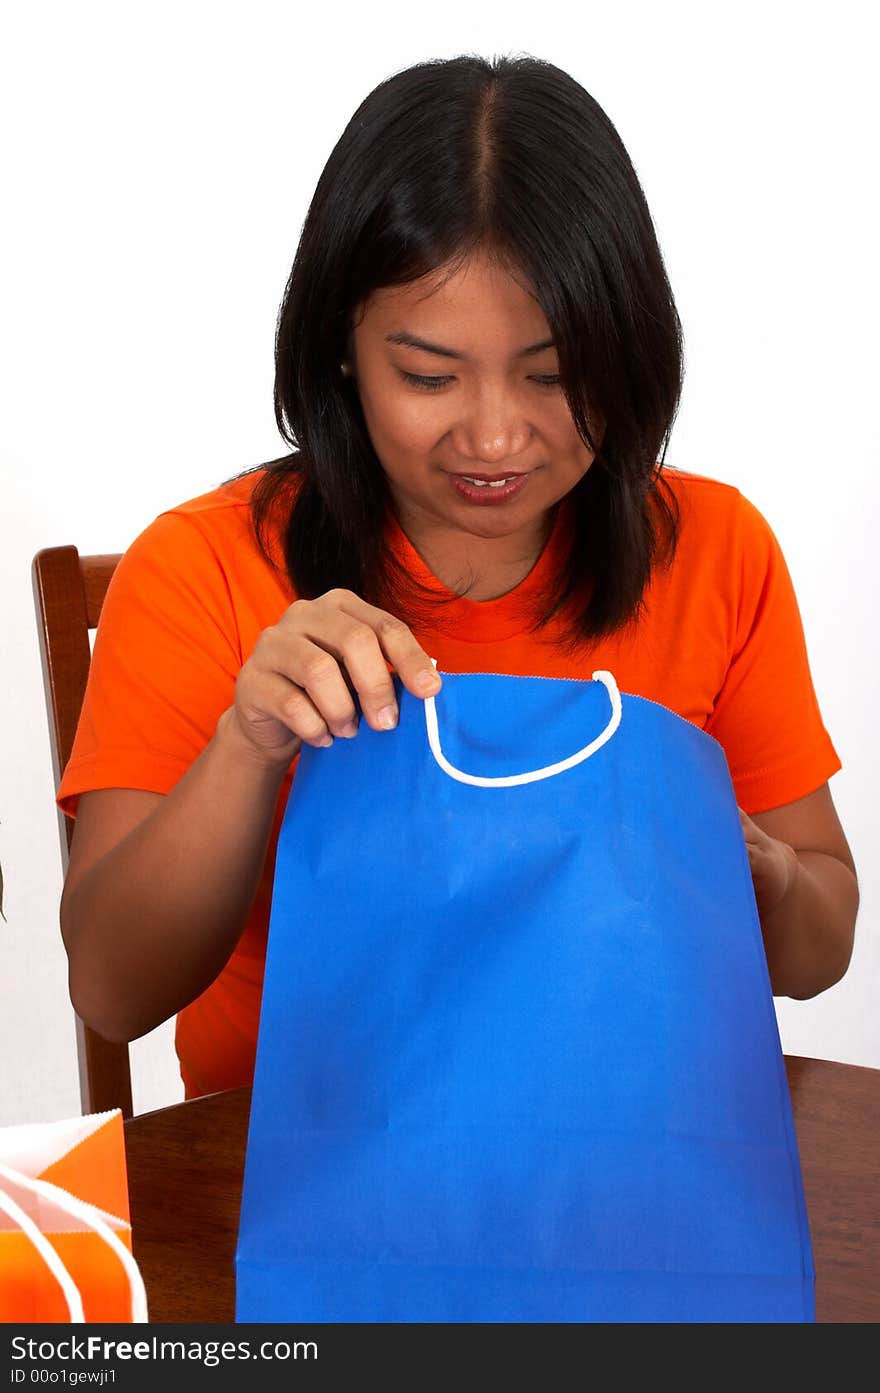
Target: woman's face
(478, 397)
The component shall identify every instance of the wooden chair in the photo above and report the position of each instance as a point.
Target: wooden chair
(69, 591)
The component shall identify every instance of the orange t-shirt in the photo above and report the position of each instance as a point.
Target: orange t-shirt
(722, 644)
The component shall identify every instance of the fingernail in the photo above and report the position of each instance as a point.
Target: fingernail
(427, 681)
(326, 742)
(349, 729)
(387, 717)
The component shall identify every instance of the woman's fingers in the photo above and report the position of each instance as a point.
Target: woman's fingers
(309, 673)
(278, 716)
(412, 664)
(364, 639)
(316, 672)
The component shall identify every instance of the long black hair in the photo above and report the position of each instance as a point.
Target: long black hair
(513, 157)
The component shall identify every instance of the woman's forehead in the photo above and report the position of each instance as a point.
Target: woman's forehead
(477, 294)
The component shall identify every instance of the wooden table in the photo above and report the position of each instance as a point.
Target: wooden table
(186, 1165)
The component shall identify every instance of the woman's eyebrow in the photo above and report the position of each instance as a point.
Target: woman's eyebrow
(410, 341)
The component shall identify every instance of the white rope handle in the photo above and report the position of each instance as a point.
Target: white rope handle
(88, 1215)
(512, 780)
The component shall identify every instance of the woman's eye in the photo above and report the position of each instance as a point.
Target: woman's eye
(427, 384)
(433, 384)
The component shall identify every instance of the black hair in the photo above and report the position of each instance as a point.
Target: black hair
(509, 156)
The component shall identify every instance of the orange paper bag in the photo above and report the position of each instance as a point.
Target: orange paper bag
(65, 1236)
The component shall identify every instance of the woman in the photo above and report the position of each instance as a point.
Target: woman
(478, 364)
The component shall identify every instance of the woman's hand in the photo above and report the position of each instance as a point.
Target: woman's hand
(773, 864)
(301, 681)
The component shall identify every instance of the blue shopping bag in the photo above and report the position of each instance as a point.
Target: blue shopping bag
(518, 1058)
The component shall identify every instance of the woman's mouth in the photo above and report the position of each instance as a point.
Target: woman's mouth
(488, 489)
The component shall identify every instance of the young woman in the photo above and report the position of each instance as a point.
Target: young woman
(478, 364)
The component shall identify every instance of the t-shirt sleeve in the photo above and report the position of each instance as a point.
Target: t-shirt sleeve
(164, 663)
(766, 715)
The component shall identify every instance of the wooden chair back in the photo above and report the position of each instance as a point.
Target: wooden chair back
(69, 591)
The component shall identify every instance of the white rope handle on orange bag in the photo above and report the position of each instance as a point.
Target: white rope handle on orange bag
(86, 1214)
(512, 780)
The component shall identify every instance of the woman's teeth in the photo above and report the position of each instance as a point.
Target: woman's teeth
(486, 483)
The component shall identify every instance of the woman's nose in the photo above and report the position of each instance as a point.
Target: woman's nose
(492, 429)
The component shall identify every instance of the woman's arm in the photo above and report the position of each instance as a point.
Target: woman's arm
(152, 922)
(806, 891)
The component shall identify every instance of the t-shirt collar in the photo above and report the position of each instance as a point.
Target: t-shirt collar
(484, 620)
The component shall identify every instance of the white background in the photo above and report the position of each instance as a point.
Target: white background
(157, 165)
